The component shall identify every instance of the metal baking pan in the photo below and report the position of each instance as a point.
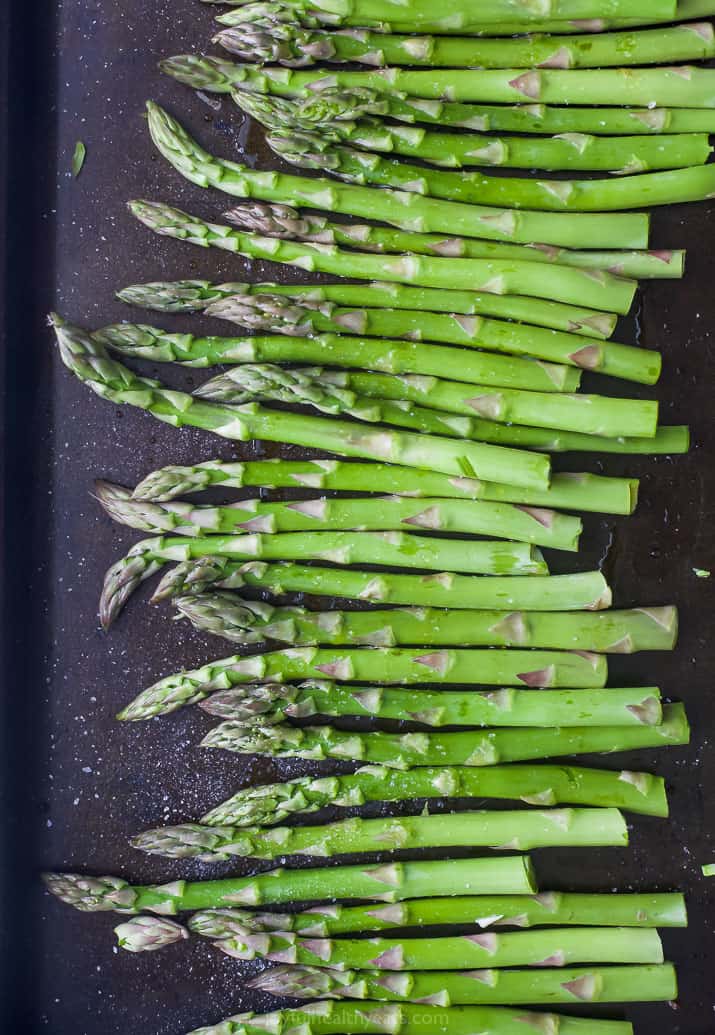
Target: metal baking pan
(77, 784)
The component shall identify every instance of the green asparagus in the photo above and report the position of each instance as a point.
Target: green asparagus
(571, 491)
(251, 622)
(388, 882)
(385, 665)
(654, 983)
(368, 1018)
(203, 566)
(89, 362)
(478, 517)
(421, 213)
(342, 105)
(708, 870)
(148, 933)
(682, 87)
(476, 12)
(552, 947)
(188, 296)
(288, 223)
(604, 416)
(396, 357)
(311, 151)
(516, 830)
(535, 785)
(264, 704)
(548, 909)
(274, 313)
(273, 35)
(402, 751)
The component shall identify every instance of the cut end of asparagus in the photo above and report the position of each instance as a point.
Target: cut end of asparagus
(91, 894)
(149, 933)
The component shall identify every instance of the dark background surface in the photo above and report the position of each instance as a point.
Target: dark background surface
(77, 784)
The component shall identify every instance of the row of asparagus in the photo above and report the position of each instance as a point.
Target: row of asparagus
(516, 284)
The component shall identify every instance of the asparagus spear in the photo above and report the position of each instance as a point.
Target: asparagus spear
(342, 105)
(264, 704)
(203, 566)
(90, 363)
(188, 296)
(388, 882)
(393, 356)
(250, 622)
(407, 1019)
(535, 19)
(548, 909)
(526, 524)
(478, 12)
(455, 23)
(426, 749)
(653, 983)
(681, 87)
(274, 313)
(584, 414)
(574, 491)
(378, 399)
(385, 665)
(587, 591)
(422, 214)
(551, 947)
(288, 223)
(516, 830)
(536, 785)
(311, 151)
(573, 152)
(272, 34)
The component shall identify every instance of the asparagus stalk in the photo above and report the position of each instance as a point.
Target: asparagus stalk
(525, 524)
(574, 491)
(558, 947)
(388, 882)
(653, 983)
(393, 356)
(584, 414)
(548, 909)
(288, 223)
(681, 87)
(311, 151)
(402, 751)
(275, 313)
(378, 399)
(478, 12)
(406, 1019)
(275, 702)
(573, 152)
(203, 565)
(384, 665)
(516, 830)
(422, 214)
(273, 35)
(111, 380)
(586, 591)
(249, 622)
(455, 22)
(535, 785)
(708, 870)
(342, 105)
(188, 296)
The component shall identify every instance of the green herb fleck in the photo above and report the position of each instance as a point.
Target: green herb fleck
(702, 573)
(80, 153)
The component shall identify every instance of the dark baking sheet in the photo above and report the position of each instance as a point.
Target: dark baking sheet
(77, 784)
